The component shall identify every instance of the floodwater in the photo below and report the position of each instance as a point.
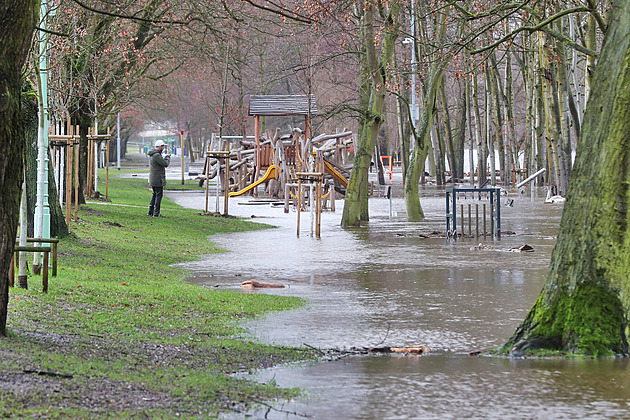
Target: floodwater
(391, 283)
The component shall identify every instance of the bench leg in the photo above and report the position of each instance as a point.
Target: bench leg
(54, 260)
(45, 273)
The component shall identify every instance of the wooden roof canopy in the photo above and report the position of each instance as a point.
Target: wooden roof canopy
(282, 105)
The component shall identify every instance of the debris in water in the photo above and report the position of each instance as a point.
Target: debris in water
(522, 248)
(261, 284)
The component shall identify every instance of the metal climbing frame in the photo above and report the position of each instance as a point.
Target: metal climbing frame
(478, 194)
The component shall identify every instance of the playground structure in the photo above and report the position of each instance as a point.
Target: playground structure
(272, 160)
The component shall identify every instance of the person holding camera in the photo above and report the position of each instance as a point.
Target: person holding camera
(157, 176)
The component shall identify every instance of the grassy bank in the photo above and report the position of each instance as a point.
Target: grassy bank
(119, 334)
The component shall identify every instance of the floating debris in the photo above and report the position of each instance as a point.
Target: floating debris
(522, 248)
(262, 285)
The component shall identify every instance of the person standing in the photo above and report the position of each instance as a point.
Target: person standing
(157, 176)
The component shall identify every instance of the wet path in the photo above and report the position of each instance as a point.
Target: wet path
(389, 284)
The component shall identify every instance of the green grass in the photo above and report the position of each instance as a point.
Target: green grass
(117, 313)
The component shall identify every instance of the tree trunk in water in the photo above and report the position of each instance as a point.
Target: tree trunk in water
(481, 148)
(496, 93)
(421, 149)
(17, 22)
(355, 209)
(471, 152)
(584, 306)
(489, 134)
(448, 132)
(460, 130)
(438, 155)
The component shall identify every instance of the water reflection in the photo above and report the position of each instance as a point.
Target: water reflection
(390, 284)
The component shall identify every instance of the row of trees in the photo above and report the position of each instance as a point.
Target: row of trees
(510, 78)
(505, 81)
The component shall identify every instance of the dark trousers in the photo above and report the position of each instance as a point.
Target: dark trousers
(156, 201)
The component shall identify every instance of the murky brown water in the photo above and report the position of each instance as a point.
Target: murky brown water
(385, 284)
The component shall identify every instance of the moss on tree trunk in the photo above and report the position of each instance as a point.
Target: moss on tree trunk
(17, 22)
(584, 306)
(355, 209)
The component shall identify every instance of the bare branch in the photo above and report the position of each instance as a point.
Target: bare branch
(106, 13)
(598, 18)
(281, 11)
(530, 29)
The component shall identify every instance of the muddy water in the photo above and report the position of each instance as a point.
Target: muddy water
(389, 284)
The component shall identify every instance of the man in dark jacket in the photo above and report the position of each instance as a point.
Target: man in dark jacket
(157, 176)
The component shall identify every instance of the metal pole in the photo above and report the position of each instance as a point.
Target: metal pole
(477, 219)
(461, 213)
(42, 210)
(299, 205)
(484, 220)
(181, 143)
(414, 63)
(227, 184)
(310, 203)
(531, 178)
(118, 141)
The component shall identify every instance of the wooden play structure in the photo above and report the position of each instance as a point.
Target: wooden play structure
(268, 163)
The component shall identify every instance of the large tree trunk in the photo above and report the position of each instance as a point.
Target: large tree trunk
(481, 148)
(584, 306)
(421, 149)
(17, 22)
(355, 209)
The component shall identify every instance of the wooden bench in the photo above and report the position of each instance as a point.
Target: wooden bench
(45, 249)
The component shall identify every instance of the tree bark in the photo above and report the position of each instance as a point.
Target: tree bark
(17, 22)
(584, 306)
(355, 209)
(421, 149)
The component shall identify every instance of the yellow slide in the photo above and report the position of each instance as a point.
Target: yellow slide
(336, 175)
(270, 174)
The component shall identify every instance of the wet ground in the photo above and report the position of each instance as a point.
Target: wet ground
(391, 283)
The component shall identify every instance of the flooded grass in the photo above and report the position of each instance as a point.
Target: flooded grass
(395, 283)
(119, 332)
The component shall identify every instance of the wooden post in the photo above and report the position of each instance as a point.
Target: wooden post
(332, 198)
(54, 257)
(227, 183)
(299, 205)
(107, 167)
(318, 208)
(45, 273)
(257, 141)
(76, 181)
(69, 182)
(90, 156)
(207, 168)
